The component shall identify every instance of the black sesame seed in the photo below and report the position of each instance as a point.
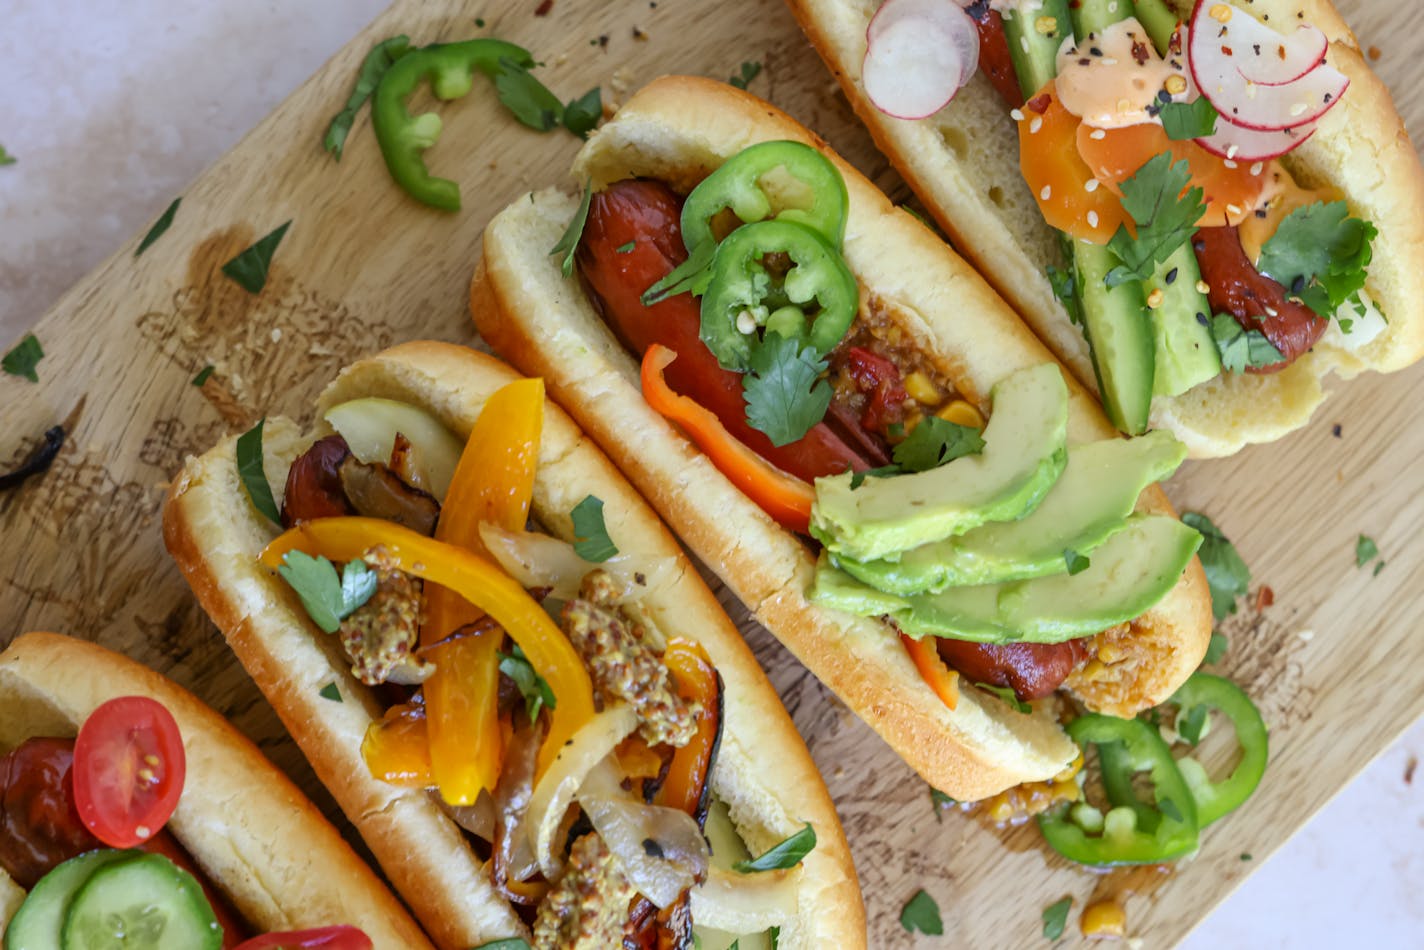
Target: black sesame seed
(652, 849)
(1335, 430)
(1201, 318)
(1172, 276)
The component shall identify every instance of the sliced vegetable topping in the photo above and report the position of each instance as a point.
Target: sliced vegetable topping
(918, 54)
(784, 854)
(1064, 185)
(249, 269)
(128, 770)
(1202, 692)
(325, 938)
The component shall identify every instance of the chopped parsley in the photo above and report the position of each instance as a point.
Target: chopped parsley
(884, 471)
(785, 393)
(203, 376)
(785, 854)
(1165, 211)
(329, 598)
(533, 104)
(1064, 283)
(1240, 347)
(569, 240)
(6, 158)
(935, 442)
(939, 801)
(591, 540)
(381, 57)
(1226, 574)
(1188, 120)
(1319, 254)
(23, 358)
(691, 276)
(749, 71)
(625, 248)
(332, 692)
(254, 478)
(1055, 918)
(583, 113)
(159, 226)
(1365, 550)
(249, 269)
(1007, 695)
(1077, 563)
(536, 690)
(921, 913)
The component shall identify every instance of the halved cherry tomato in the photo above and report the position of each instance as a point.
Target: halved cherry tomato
(1114, 155)
(128, 770)
(1061, 182)
(326, 938)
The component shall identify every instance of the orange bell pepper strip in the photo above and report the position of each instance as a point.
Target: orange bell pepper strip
(784, 497)
(478, 581)
(396, 749)
(1069, 196)
(939, 677)
(494, 481)
(696, 679)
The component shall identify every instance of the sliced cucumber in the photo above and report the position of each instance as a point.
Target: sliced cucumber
(1035, 53)
(1121, 336)
(1094, 16)
(37, 924)
(1186, 354)
(144, 902)
(1160, 21)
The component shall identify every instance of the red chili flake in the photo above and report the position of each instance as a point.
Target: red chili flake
(1409, 768)
(1265, 597)
(1139, 53)
(543, 8)
(1039, 104)
(1226, 51)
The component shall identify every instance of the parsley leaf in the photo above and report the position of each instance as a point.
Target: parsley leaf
(569, 240)
(249, 269)
(1188, 120)
(1165, 218)
(6, 158)
(159, 226)
(785, 854)
(332, 692)
(1245, 855)
(23, 358)
(1191, 722)
(373, 67)
(535, 689)
(934, 442)
(328, 598)
(527, 98)
(1055, 918)
(1077, 563)
(254, 478)
(1379, 566)
(785, 393)
(691, 276)
(749, 72)
(1007, 694)
(921, 913)
(591, 540)
(1216, 648)
(203, 376)
(1226, 574)
(1319, 254)
(1365, 550)
(1240, 347)
(583, 113)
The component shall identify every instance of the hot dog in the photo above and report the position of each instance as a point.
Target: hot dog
(1291, 135)
(241, 830)
(473, 718)
(922, 319)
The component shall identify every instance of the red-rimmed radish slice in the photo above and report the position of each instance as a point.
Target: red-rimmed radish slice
(1249, 145)
(1276, 60)
(919, 53)
(1213, 55)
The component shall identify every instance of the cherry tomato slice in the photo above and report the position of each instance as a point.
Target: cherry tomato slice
(327, 938)
(128, 770)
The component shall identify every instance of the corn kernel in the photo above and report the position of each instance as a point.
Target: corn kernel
(962, 413)
(1066, 791)
(1072, 770)
(919, 386)
(1154, 299)
(1110, 652)
(1220, 12)
(1104, 920)
(1045, 25)
(1176, 85)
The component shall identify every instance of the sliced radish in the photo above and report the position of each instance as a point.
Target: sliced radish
(1282, 60)
(1248, 145)
(1213, 55)
(919, 53)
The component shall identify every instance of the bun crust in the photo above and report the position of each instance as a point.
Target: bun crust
(764, 772)
(963, 163)
(677, 130)
(254, 834)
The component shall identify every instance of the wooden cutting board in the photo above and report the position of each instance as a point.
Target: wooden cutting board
(1334, 664)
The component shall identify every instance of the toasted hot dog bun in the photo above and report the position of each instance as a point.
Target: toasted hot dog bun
(678, 130)
(763, 771)
(963, 162)
(254, 834)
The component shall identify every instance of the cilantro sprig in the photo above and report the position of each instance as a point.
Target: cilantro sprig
(569, 240)
(1226, 574)
(936, 442)
(1165, 211)
(23, 357)
(1188, 120)
(329, 598)
(591, 540)
(535, 105)
(921, 913)
(1240, 347)
(785, 393)
(1319, 254)
(537, 692)
(784, 854)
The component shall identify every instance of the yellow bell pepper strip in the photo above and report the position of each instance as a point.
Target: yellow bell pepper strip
(494, 481)
(938, 676)
(686, 786)
(395, 748)
(785, 498)
(477, 580)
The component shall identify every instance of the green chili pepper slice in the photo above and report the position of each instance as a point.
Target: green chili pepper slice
(817, 282)
(744, 185)
(450, 68)
(1215, 799)
(1134, 832)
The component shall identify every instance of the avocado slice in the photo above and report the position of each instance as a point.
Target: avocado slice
(1022, 458)
(1089, 502)
(1129, 572)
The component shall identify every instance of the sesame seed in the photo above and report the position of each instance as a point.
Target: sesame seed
(1097, 135)
(1229, 163)
(1271, 311)
(1298, 109)
(1256, 168)
(1035, 125)
(1171, 277)
(1091, 185)
(1110, 61)
(1023, 42)
(1016, 115)
(1231, 152)
(1092, 219)
(1233, 210)
(1046, 192)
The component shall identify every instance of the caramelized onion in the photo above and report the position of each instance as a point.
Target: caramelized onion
(537, 560)
(746, 903)
(661, 849)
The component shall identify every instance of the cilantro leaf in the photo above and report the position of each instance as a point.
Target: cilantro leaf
(1365, 550)
(159, 226)
(1077, 563)
(1165, 217)
(327, 597)
(592, 542)
(203, 376)
(536, 690)
(884, 471)
(1240, 347)
(1190, 723)
(785, 393)
(569, 240)
(249, 269)
(1055, 918)
(691, 276)
(921, 913)
(6, 158)
(749, 72)
(373, 67)
(254, 477)
(1064, 283)
(785, 854)
(527, 98)
(1007, 694)
(1216, 647)
(934, 442)
(1226, 574)
(1188, 120)
(583, 113)
(23, 358)
(1319, 254)
(332, 692)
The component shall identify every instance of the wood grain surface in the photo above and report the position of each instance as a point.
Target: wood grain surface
(1335, 664)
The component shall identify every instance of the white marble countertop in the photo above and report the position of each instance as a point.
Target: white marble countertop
(114, 108)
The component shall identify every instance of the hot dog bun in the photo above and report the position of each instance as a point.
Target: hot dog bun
(677, 130)
(253, 833)
(963, 163)
(763, 771)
